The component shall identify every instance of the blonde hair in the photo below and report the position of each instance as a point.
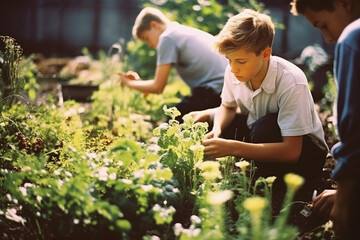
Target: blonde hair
(144, 18)
(249, 29)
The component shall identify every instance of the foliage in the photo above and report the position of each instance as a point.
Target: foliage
(10, 82)
(112, 169)
(180, 147)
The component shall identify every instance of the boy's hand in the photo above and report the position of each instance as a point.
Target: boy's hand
(125, 78)
(203, 116)
(324, 202)
(215, 147)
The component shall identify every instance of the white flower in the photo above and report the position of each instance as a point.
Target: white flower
(27, 185)
(218, 198)
(195, 219)
(112, 176)
(11, 215)
(177, 229)
(103, 175)
(126, 181)
(146, 188)
(23, 191)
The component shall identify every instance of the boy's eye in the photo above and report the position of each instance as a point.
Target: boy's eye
(238, 61)
(323, 27)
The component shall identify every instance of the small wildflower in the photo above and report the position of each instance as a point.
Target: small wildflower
(270, 181)
(293, 181)
(146, 188)
(195, 219)
(242, 165)
(177, 229)
(217, 198)
(23, 191)
(255, 204)
(103, 175)
(328, 225)
(126, 181)
(112, 176)
(210, 170)
(11, 214)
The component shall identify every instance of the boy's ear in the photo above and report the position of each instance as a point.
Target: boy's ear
(346, 4)
(154, 24)
(266, 53)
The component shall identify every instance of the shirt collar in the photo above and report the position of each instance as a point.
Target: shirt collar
(268, 84)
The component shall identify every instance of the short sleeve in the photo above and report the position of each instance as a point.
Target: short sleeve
(166, 52)
(227, 95)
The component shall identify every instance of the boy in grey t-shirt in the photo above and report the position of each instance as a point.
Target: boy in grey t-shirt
(189, 50)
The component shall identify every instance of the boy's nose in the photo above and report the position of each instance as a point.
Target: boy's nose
(234, 69)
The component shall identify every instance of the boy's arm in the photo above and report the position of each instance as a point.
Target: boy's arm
(155, 85)
(223, 117)
(286, 151)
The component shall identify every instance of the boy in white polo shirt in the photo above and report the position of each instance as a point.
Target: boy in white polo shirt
(267, 113)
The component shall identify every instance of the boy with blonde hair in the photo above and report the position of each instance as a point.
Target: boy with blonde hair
(267, 113)
(189, 50)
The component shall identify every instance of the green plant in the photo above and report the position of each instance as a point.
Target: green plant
(10, 82)
(180, 147)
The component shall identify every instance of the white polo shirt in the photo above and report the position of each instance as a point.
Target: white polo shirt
(285, 91)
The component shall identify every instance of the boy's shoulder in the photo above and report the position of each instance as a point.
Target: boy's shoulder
(283, 64)
(284, 69)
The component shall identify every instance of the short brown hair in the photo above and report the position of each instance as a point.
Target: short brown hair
(249, 29)
(145, 17)
(300, 6)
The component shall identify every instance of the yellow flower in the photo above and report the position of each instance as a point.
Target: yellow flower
(210, 170)
(293, 181)
(243, 165)
(255, 205)
(270, 181)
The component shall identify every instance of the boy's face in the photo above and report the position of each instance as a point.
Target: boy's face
(331, 24)
(246, 66)
(151, 36)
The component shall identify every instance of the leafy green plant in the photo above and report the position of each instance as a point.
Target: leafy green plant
(180, 147)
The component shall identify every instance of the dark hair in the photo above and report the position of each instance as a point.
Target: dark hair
(299, 6)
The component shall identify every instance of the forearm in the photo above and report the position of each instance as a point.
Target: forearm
(223, 118)
(264, 152)
(148, 86)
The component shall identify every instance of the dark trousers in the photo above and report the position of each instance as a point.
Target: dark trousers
(266, 130)
(201, 98)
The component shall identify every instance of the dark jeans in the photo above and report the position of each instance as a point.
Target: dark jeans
(201, 98)
(266, 130)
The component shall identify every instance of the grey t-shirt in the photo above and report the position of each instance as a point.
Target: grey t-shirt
(191, 51)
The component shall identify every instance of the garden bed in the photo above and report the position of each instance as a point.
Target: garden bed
(110, 168)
